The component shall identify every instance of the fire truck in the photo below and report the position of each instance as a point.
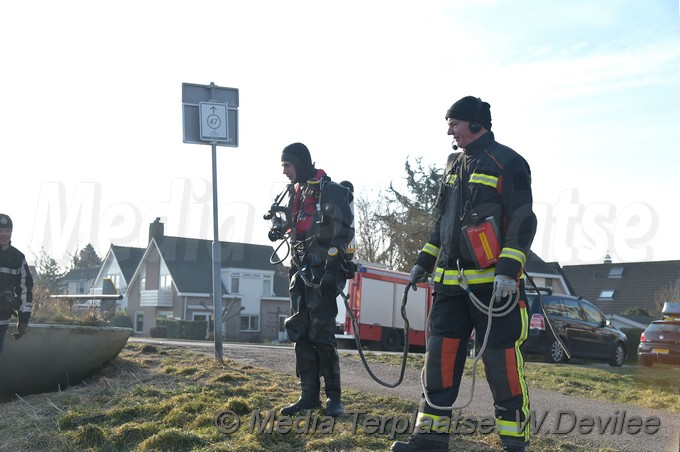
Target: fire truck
(375, 298)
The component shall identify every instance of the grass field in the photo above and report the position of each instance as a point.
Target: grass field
(167, 398)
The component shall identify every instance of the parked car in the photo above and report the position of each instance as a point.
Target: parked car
(583, 329)
(660, 343)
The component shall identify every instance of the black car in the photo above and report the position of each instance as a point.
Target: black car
(582, 328)
(660, 343)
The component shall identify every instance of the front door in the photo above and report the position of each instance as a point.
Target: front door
(283, 336)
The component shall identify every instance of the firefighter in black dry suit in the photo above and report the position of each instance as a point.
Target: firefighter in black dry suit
(321, 229)
(487, 183)
(16, 284)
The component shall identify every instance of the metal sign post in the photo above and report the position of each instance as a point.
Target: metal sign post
(216, 266)
(210, 116)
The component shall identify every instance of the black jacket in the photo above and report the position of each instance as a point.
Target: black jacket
(15, 276)
(487, 180)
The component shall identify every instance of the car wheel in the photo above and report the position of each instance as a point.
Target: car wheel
(618, 355)
(554, 353)
(645, 362)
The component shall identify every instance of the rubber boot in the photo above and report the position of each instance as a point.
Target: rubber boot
(329, 363)
(309, 399)
(307, 365)
(423, 443)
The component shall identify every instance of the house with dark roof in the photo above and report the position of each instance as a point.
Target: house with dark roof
(79, 280)
(615, 287)
(545, 274)
(174, 280)
(118, 266)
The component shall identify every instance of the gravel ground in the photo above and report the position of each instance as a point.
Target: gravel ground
(558, 411)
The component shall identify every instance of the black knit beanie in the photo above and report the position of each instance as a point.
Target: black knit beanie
(466, 109)
(5, 221)
(298, 155)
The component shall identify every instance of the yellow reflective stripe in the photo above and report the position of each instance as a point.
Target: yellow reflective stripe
(431, 249)
(512, 428)
(517, 255)
(524, 317)
(509, 428)
(450, 277)
(433, 423)
(451, 179)
(484, 179)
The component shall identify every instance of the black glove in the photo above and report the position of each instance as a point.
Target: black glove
(328, 286)
(21, 330)
(418, 275)
(6, 297)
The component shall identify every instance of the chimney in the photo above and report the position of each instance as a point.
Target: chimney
(607, 259)
(156, 229)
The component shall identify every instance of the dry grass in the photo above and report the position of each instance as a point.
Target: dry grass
(166, 398)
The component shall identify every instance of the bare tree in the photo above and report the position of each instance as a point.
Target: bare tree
(668, 293)
(373, 241)
(229, 310)
(393, 230)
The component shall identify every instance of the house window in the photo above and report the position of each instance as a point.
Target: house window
(235, 284)
(166, 283)
(80, 287)
(250, 322)
(616, 272)
(139, 322)
(165, 315)
(202, 318)
(266, 285)
(606, 295)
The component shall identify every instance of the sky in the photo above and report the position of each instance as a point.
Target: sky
(91, 129)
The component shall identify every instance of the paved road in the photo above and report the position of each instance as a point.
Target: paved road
(556, 413)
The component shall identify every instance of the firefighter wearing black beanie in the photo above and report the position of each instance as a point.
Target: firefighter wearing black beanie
(471, 109)
(298, 155)
(321, 229)
(487, 186)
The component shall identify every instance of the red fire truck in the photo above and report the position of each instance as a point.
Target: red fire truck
(375, 297)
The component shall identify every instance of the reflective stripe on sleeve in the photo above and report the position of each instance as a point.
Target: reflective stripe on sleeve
(517, 255)
(431, 249)
(484, 179)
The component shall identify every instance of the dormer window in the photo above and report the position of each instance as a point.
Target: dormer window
(606, 295)
(616, 272)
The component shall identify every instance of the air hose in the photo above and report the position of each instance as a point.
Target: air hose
(547, 320)
(355, 326)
